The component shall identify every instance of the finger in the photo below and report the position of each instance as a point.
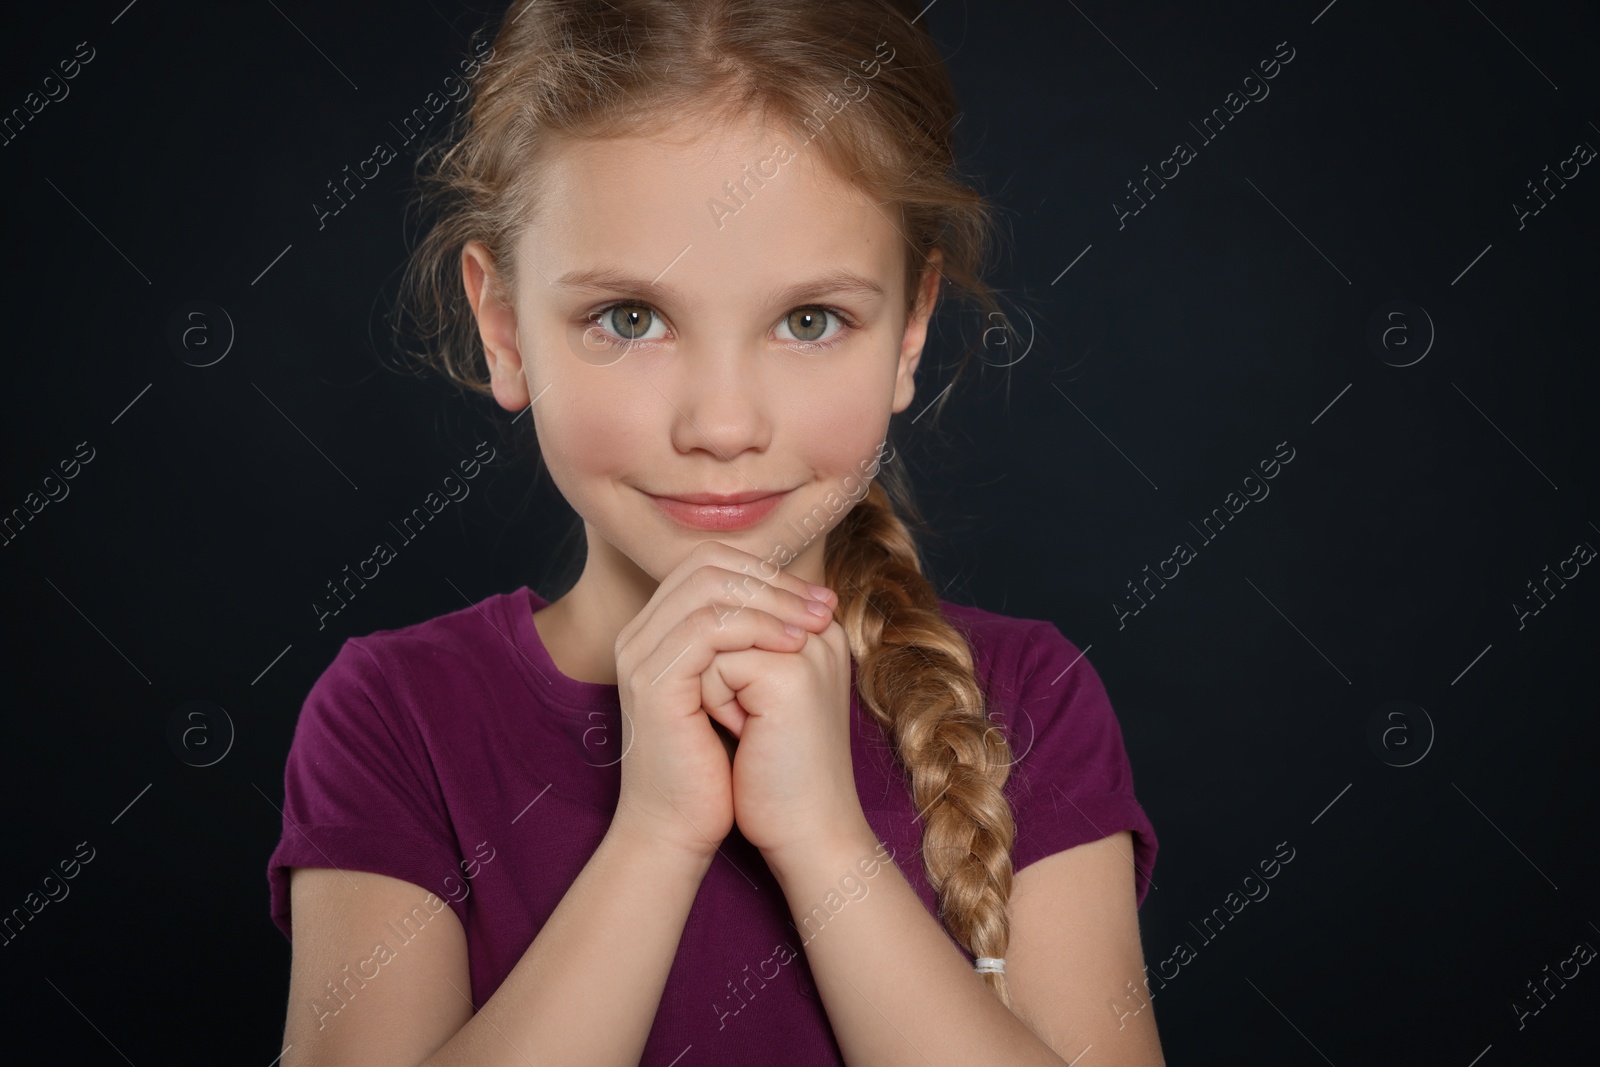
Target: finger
(687, 649)
(742, 593)
(729, 675)
(747, 572)
(744, 578)
(719, 693)
(726, 713)
(735, 559)
(732, 593)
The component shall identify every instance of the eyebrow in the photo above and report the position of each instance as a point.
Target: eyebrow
(834, 282)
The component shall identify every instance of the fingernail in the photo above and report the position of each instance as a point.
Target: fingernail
(819, 592)
(791, 630)
(817, 607)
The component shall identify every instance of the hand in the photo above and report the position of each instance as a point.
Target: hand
(677, 779)
(793, 782)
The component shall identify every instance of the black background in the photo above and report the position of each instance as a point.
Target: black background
(1231, 314)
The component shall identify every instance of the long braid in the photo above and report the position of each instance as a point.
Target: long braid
(915, 676)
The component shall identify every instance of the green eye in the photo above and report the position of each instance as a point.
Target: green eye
(631, 321)
(808, 324)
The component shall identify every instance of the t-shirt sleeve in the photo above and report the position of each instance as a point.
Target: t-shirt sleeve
(359, 792)
(1071, 782)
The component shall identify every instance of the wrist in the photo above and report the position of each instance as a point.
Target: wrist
(838, 847)
(625, 837)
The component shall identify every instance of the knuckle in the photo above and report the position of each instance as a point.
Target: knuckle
(704, 620)
(711, 552)
(706, 578)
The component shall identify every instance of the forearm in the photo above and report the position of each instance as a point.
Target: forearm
(896, 988)
(617, 931)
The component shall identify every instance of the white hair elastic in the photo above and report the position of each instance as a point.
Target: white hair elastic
(989, 965)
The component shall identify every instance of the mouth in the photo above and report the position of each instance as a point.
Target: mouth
(713, 511)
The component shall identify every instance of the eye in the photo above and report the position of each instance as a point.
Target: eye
(807, 325)
(627, 322)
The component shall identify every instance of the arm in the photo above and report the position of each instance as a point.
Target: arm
(1075, 963)
(617, 928)
(897, 989)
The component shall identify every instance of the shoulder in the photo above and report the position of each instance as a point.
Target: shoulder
(1071, 781)
(437, 651)
(455, 634)
(1042, 689)
(397, 682)
(1014, 656)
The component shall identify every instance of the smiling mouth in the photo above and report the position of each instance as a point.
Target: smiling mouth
(709, 511)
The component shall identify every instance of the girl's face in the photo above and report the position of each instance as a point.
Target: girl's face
(705, 310)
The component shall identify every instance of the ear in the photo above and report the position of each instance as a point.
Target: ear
(916, 332)
(497, 326)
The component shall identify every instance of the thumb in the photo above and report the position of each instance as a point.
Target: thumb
(721, 683)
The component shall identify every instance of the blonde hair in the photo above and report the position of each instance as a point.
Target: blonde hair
(870, 85)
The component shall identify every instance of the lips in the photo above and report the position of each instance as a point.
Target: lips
(723, 498)
(720, 511)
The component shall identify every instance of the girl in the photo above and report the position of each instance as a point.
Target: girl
(749, 787)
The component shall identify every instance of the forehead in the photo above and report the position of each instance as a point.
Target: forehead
(712, 209)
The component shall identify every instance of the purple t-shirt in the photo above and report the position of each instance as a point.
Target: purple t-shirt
(454, 755)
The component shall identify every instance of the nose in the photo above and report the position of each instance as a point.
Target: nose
(721, 402)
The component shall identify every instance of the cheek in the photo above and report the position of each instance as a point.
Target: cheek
(845, 421)
(838, 440)
(593, 428)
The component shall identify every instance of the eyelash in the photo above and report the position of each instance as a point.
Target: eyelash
(848, 325)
